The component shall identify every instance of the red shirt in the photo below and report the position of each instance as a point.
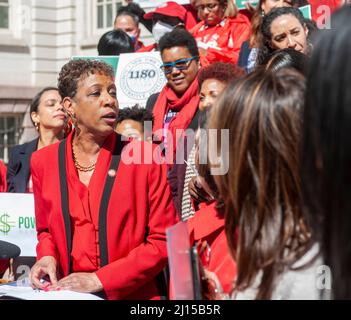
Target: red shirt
(315, 4)
(3, 182)
(139, 211)
(223, 41)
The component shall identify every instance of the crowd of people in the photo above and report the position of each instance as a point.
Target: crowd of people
(266, 202)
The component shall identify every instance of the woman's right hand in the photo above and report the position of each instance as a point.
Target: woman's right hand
(198, 191)
(46, 266)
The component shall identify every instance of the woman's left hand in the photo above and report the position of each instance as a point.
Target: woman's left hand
(79, 282)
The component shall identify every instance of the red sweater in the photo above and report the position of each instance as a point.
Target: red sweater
(223, 40)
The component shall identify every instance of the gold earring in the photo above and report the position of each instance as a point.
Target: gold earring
(74, 119)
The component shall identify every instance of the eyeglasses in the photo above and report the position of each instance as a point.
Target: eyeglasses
(181, 64)
(209, 7)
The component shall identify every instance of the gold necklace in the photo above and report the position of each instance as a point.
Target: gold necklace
(79, 166)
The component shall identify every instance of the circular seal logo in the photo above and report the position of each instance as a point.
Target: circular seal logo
(142, 77)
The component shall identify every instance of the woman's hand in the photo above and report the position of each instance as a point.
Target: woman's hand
(198, 191)
(46, 266)
(79, 282)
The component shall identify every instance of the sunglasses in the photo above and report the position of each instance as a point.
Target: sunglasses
(181, 64)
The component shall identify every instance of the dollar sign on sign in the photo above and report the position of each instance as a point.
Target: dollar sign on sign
(4, 226)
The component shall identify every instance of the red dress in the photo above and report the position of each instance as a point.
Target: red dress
(223, 40)
(139, 211)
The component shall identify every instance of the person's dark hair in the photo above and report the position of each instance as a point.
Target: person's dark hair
(121, 13)
(224, 72)
(115, 42)
(179, 38)
(264, 224)
(135, 113)
(36, 100)
(286, 58)
(75, 70)
(265, 46)
(326, 152)
(135, 9)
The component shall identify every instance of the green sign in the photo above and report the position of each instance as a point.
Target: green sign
(306, 12)
(110, 60)
(241, 3)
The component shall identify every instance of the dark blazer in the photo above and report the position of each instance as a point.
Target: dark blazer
(244, 55)
(18, 169)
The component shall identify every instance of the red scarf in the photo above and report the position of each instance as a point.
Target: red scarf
(186, 106)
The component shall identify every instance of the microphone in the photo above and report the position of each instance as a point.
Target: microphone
(9, 250)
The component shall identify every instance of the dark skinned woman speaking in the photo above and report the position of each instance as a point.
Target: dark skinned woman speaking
(101, 205)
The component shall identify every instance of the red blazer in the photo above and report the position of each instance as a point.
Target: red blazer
(139, 211)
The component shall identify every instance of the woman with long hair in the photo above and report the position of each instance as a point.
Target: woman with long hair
(50, 121)
(326, 152)
(284, 28)
(266, 231)
(249, 49)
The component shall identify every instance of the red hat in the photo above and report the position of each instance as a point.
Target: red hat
(171, 9)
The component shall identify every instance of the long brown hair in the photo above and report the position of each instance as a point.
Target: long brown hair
(255, 40)
(265, 228)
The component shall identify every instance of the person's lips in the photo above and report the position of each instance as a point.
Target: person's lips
(60, 115)
(178, 81)
(110, 117)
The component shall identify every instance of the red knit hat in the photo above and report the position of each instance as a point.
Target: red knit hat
(171, 9)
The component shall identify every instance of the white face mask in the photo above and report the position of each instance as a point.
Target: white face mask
(159, 29)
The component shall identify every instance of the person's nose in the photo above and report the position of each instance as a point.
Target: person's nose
(59, 106)
(109, 100)
(291, 42)
(175, 71)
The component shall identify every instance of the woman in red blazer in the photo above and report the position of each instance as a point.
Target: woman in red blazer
(100, 221)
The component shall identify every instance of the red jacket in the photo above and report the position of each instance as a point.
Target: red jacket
(208, 225)
(225, 39)
(3, 182)
(139, 211)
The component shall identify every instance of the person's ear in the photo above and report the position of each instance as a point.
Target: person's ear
(306, 30)
(35, 117)
(69, 106)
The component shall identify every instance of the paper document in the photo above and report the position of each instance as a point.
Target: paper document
(27, 293)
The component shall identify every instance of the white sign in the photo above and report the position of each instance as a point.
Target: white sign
(17, 221)
(156, 3)
(138, 76)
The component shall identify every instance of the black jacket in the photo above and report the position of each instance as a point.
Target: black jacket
(18, 169)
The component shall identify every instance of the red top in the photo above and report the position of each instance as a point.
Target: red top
(208, 225)
(223, 41)
(84, 209)
(139, 211)
(3, 182)
(317, 7)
